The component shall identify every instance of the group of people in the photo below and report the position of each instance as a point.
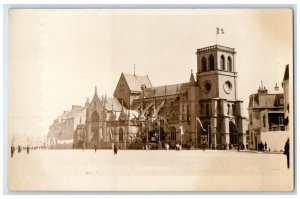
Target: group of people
(262, 147)
(12, 150)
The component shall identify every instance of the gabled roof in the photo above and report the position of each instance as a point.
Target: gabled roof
(135, 82)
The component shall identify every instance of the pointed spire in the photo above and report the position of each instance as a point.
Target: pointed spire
(192, 78)
(96, 93)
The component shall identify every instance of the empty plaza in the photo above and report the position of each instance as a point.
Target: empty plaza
(151, 170)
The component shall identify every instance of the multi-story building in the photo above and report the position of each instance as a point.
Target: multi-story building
(266, 113)
(285, 85)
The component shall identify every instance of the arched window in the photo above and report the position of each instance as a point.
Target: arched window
(229, 64)
(233, 109)
(228, 109)
(95, 117)
(207, 109)
(222, 62)
(202, 109)
(211, 62)
(173, 133)
(121, 135)
(203, 64)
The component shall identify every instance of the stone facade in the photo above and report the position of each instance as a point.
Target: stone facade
(203, 110)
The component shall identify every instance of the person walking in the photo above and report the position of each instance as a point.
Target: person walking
(95, 148)
(203, 146)
(27, 149)
(115, 149)
(12, 150)
(287, 152)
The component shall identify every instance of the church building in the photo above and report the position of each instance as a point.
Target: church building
(209, 102)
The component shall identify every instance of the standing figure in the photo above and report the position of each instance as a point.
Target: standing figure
(266, 146)
(19, 149)
(204, 144)
(12, 150)
(115, 149)
(83, 146)
(27, 149)
(95, 146)
(287, 152)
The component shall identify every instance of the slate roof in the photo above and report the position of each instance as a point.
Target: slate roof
(165, 90)
(135, 82)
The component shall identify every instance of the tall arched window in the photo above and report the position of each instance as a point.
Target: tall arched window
(202, 109)
(211, 62)
(207, 109)
(203, 64)
(121, 135)
(229, 64)
(173, 133)
(222, 62)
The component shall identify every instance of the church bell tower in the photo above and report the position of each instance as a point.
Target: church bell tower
(220, 109)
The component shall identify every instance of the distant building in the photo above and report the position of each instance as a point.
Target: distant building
(61, 132)
(107, 122)
(285, 85)
(266, 113)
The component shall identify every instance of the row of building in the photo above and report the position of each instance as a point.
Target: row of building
(204, 110)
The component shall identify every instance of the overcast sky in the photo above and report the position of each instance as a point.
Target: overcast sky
(57, 57)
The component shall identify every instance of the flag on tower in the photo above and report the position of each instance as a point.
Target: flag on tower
(199, 121)
(220, 31)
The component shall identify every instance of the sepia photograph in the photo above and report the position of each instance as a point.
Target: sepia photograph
(150, 99)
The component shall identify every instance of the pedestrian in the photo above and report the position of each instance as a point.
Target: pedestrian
(115, 149)
(12, 150)
(83, 146)
(27, 149)
(95, 148)
(287, 152)
(19, 149)
(266, 146)
(203, 146)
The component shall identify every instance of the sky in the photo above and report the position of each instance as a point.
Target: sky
(57, 57)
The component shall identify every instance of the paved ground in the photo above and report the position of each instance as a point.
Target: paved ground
(131, 170)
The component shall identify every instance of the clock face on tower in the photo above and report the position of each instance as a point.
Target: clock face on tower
(207, 86)
(227, 87)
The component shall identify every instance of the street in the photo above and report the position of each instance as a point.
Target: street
(153, 170)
